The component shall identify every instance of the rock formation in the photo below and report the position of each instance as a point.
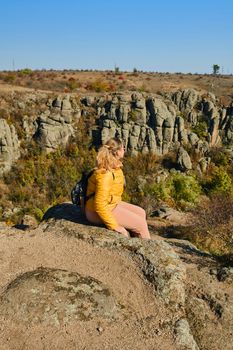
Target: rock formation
(9, 146)
(67, 284)
(146, 122)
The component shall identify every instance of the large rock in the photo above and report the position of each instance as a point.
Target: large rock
(183, 160)
(186, 99)
(55, 297)
(75, 282)
(53, 131)
(9, 146)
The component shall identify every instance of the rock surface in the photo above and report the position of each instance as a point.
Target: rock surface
(146, 122)
(9, 146)
(67, 284)
(56, 297)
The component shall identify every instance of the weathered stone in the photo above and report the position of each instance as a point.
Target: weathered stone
(9, 146)
(186, 99)
(183, 160)
(56, 297)
(184, 337)
(53, 132)
(29, 221)
(29, 126)
(57, 103)
(203, 164)
(193, 138)
(66, 105)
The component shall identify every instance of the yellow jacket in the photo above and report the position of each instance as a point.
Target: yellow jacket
(108, 187)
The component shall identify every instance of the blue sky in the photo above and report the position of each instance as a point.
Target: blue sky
(151, 35)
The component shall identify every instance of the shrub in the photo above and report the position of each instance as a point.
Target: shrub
(25, 71)
(99, 86)
(73, 84)
(10, 77)
(201, 129)
(219, 156)
(212, 227)
(184, 189)
(220, 182)
(38, 213)
(158, 191)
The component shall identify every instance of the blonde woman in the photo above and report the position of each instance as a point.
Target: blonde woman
(104, 190)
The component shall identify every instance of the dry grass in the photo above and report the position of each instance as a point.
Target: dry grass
(221, 86)
(211, 228)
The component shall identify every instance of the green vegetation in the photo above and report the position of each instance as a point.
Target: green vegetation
(39, 180)
(143, 184)
(46, 179)
(219, 182)
(201, 129)
(184, 189)
(25, 71)
(117, 70)
(216, 69)
(50, 177)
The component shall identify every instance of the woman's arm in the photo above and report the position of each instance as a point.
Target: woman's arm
(104, 182)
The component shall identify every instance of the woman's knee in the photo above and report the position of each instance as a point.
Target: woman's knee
(141, 228)
(142, 212)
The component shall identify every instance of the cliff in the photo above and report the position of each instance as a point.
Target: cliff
(146, 122)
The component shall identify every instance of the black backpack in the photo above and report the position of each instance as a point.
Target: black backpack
(78, 192)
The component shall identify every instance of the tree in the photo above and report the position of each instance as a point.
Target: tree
(216, 69)
(117, 69)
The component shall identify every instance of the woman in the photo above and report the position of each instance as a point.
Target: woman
(105, 188)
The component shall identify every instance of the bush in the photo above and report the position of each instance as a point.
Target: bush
(25, 71)
(152, 195)
(220, 157)
(40, 180)
(99, 86)
(212, 227)
(10, 77)
(184, 189)
(201, 129)
(220, 182)
(73, 84)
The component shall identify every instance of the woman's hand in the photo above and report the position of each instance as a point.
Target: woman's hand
(122, 230)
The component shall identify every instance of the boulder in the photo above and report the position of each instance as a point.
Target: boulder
(183, 160)
(55, 297)
(9, 146)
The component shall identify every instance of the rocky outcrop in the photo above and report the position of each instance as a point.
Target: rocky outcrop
(108, 290)
(54, 297)
(55, 124)
(183, 160)
(161, 123)
(9, 146)
(145, 122)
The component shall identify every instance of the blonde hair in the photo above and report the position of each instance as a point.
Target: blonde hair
(106, 157)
